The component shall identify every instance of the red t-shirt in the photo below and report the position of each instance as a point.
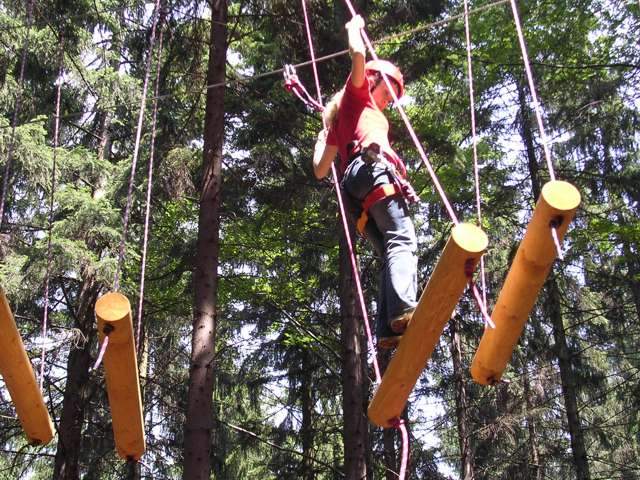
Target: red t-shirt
(360, 119)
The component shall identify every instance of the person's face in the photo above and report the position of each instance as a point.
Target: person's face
(381, 94)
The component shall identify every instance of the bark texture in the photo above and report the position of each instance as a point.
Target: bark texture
(199, 421)
(355, 383)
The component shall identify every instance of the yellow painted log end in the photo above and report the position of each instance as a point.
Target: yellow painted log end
(113, 312)
(561, 195)
(469, 238)
(485, 375)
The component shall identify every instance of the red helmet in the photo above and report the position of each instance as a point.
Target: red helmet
(388, 69)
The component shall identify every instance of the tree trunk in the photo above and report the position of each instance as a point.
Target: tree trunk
(466, 454)
(76, 396)
(133, 470)
(390, 458)
(533, 462)
(355, 383)
(569, 389)
(199, 420)
(635, 286)
(219, 439)
(103, 119)
(554, 313)
(17, 110)
(306, 430)
(527, 137)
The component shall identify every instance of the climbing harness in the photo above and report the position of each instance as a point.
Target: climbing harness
(374, 196)
(399, 185)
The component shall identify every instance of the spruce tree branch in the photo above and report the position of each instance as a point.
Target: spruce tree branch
(278, 447)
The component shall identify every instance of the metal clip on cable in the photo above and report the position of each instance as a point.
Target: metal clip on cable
(292, 84)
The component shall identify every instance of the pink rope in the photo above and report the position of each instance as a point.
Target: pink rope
(536, 103)
(103, 349)
(145, 237)
(474, 136)
(136, 149)
(468, 271)
(556, 241)
(356, 275)
(56, 130)
(343, 214)
(481, 306)
(17, 108)
(400, 424)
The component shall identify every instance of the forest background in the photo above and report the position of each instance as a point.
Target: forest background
(252, 353)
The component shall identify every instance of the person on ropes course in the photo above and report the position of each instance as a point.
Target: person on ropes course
(373, 179)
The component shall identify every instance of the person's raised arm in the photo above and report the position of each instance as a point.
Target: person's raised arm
(323, 155)
(356, 49)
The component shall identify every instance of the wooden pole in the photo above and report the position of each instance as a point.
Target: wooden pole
(20, 380)
(556, 206)
(439, 298)
(113, 312)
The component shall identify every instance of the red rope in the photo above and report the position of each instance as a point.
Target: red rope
(343, 214)
(292, 84)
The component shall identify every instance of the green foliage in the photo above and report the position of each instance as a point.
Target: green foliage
(278, 359)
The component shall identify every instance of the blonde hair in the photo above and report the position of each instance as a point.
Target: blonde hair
(331, 109)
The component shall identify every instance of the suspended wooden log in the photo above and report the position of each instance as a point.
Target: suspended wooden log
(113, 312)
(556, 207)
(442, 293)
(20, 380)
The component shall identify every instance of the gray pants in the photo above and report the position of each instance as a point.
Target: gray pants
(391, 232)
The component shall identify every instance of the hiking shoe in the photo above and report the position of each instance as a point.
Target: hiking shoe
(399, 324)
